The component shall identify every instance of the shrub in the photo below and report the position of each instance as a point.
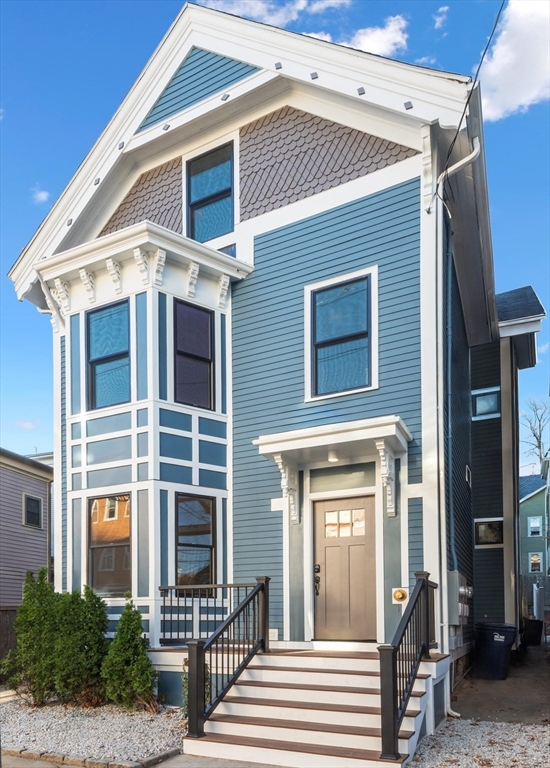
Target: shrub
(31, 668)
(81, 647)
(127, 670)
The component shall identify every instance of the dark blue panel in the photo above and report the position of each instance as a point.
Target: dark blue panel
(163, 376)
(212, 453)
(163, 538)
(98, 478)
(224, 364)
(75, 364)
(170, 688)
(224, 541)
(212, 427)
(175, 420)
(141, 345)
(108, 331)
(174, 473)
(107, 424)
(176, 447)
(202, 74)
(211, 479)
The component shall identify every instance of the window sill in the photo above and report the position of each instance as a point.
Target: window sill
(317, 398)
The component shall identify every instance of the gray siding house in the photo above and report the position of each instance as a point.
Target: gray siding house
(267, 334)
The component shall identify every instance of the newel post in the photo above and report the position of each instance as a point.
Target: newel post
(196, 689)
(263, 612)
(425, 612)
(388, 701)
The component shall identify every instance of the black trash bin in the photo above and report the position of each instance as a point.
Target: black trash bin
(532, 632)
(492, 653)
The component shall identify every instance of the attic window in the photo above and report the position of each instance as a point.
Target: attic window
(210, 194)
(486, 403)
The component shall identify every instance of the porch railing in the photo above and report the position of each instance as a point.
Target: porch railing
(225, 655)
(400, 660)
(192, 612)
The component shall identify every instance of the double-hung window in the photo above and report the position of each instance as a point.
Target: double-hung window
(32, 511)
(195, 540)
(534, 562)
(534, 525)
(109, 356)
(341, 337)
(210, 194)
(194, 355)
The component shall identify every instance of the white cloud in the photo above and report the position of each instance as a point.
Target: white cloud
(326, 36)
(25, 424)
(425, 60)
(39, 195)
(543, 348)
(516, 71)
(441, 16)
(272, 11)
(385, 41)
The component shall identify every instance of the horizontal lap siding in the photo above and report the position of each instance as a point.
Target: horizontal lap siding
(416, 540)
(268, 352)
(488, 581)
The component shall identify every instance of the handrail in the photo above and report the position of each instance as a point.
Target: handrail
(400, 660)
(230, 648)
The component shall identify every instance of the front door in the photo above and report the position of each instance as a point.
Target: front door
(345, 569)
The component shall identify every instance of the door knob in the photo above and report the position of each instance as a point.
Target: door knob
(317, 582)
(317, 568)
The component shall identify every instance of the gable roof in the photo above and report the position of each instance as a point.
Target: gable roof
(529, 484)
(378, 85)
(519, 304)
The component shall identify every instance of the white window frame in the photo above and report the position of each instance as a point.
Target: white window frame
(489, 520)
(485, 391)
(530, 555)
(24, 512)
(533, 535)
(309, 290)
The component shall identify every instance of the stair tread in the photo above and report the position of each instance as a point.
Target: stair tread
(271, 722)
(309, 687)
(323, 654)
(290, 746)
(369, 673)
(328, 706)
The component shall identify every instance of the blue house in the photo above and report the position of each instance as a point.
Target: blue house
(279, 355)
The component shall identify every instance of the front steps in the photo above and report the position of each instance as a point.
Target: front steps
(316, 709)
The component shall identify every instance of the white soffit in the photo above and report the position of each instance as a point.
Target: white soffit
(352, 440)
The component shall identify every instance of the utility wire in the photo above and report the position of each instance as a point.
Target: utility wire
(453, 142)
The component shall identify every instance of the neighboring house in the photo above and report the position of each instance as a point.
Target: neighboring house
(266, 337)
(24, 539)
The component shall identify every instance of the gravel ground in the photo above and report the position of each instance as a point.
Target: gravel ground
(103, 733)
(476, 744)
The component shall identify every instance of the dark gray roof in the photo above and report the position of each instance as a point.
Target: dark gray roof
(25, 460)
(529, 484)
(518, 304)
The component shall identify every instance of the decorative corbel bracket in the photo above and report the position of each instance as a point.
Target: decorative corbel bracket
(62, 296)
(88, 281)
(289, 485)
(160, 260)
(53, 313)
(223, 287)
(387, 473)
(113, 268)
(192, 276)
(143, 264)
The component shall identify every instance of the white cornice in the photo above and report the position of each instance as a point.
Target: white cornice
(388, 84)
(520, 326)
(144, 238)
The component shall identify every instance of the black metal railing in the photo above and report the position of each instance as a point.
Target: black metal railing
(400, 660)
(191, 612)
(225, 655)
(432, 586)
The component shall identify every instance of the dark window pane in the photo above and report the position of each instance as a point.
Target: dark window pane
(32, 512)
(112, 382)
(108, 332)
(212, 220)
(193, 382)
(193, 330)
(194, 521)
(210, 174)
(341, 311)
(111, 570)
(194, 565)
(342, 366)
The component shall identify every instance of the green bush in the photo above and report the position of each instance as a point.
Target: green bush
(31, 668)
(81, 647)
(127, 670)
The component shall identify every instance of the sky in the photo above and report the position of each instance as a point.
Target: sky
(67, 64)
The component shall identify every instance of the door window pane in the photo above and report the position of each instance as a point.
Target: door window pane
(331, 525)
(345, 522)
(358, 516)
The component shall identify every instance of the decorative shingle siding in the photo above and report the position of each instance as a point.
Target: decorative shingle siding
(290, 154)
(268, 352)
(156, 196)
(202, 74)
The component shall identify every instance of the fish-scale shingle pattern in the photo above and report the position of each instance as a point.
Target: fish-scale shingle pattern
(290, 154)
(156, 196)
